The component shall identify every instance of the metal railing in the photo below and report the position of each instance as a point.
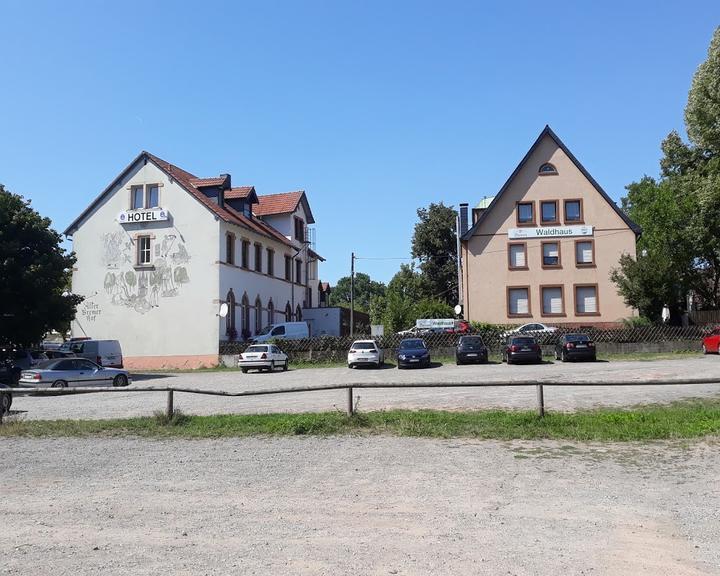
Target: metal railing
(350, 387)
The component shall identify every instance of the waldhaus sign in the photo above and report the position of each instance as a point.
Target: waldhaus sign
(549, 232)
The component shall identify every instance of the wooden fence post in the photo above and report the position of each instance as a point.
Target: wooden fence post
(350, 407)
(541, 400)
(170, 408)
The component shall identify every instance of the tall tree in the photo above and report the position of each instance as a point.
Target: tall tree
(434, 244)
(34, 272)
(679, 251)
(364, 290)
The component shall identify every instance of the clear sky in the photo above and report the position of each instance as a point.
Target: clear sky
(375, 108)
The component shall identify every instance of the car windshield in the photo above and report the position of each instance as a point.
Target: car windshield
(257, 349)
(411, 344)
(265, 330)
(471, 341)
(363, 345)
(523, 341)
(577, 338)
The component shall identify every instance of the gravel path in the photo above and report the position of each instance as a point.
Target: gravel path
(118, 405)
(358, 506)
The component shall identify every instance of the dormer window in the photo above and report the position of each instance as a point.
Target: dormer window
(547, 169)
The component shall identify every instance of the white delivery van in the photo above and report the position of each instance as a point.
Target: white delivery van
(104, 352)
(283, 331)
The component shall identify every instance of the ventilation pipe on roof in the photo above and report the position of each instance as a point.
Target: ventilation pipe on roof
(226, 185)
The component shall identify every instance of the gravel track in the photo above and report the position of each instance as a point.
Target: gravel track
(119, 405)
(359, 506)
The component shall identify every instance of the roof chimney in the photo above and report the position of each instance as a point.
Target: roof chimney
(463, 218)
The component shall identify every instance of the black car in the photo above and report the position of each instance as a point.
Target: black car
(5, 399)
(413, 352)
(471, 350)
(575, 347)
(522, 349)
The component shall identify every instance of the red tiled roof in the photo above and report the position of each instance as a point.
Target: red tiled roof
(278, 203)
(185, 179)
(239, 192)
(201, 182)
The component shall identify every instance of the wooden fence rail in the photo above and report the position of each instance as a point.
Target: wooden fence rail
(171, 390)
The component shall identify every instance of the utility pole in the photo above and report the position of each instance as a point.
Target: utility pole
(352, 294)
(459, 263)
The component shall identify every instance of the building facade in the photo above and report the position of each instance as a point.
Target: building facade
(544, 247)
(160, 250)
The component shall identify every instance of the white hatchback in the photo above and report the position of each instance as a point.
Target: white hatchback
(365, 352)
(263, 357)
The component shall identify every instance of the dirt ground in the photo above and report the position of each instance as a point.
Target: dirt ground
(358, 505)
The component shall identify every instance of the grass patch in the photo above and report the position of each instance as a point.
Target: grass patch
(686, 419)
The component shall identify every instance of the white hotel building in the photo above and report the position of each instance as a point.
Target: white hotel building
(159, 250)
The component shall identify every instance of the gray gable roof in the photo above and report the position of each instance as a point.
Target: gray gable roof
(547, 131)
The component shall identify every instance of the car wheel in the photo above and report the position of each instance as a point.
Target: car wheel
(120, 381)
(5, 403)
(244, 370)
(704, 349)
(563, 356)
(285, 366)
(557, 356)
(59, 384)
(508, 360)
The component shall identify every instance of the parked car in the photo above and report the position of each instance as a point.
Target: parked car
(106, 353)
(413, 352)
(283, 331)
(471, 349)
(531, 329)
(711, 342)
(5, 399)
(64, 372)
(51, 354)
(14, 360)
(262, 357)
(575, 347)
(364, 352)
(522, 349)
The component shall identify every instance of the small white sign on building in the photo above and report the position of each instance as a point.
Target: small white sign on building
(550, 232)
(377, 330)
(150, 215)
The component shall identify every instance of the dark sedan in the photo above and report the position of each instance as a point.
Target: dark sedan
(575, 347)
(522, 349)
(413, 352)
(471, 350)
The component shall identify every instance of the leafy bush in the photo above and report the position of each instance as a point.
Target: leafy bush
(637, 322)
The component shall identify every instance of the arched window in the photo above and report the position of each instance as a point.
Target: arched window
(258, 315)
(288, 313)
(547, 169)
(230, 331)
(298, 313)
(245, 308)
(271, 312)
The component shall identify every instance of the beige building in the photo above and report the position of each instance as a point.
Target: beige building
(543, 248)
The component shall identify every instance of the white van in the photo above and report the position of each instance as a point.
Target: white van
(283, 331)
(103, 352)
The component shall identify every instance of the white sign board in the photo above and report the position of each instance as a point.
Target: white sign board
(429, 323)
(550, 232)
(377, 330)
(135, 216)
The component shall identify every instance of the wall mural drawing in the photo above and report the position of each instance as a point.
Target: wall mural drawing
(143, 290)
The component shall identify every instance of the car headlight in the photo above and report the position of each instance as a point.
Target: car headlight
(401, 356)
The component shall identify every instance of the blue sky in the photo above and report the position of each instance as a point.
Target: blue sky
(375, 108)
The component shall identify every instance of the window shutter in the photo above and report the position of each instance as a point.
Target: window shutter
(519, 301)
(517, 256)
(586, 299)
(584, 252)
(552, 301)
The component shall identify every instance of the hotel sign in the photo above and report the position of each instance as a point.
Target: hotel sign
(549, 232)
(137, 216)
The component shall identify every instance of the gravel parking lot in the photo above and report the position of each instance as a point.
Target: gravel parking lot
(358, 506)
(121, 404)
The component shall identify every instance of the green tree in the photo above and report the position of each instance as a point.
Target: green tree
(34, 273)
(433, 308)
(679, 251)
(365, 289)
(398, 313)
(434, 244)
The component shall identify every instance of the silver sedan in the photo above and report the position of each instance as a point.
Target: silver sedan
(64, 372)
